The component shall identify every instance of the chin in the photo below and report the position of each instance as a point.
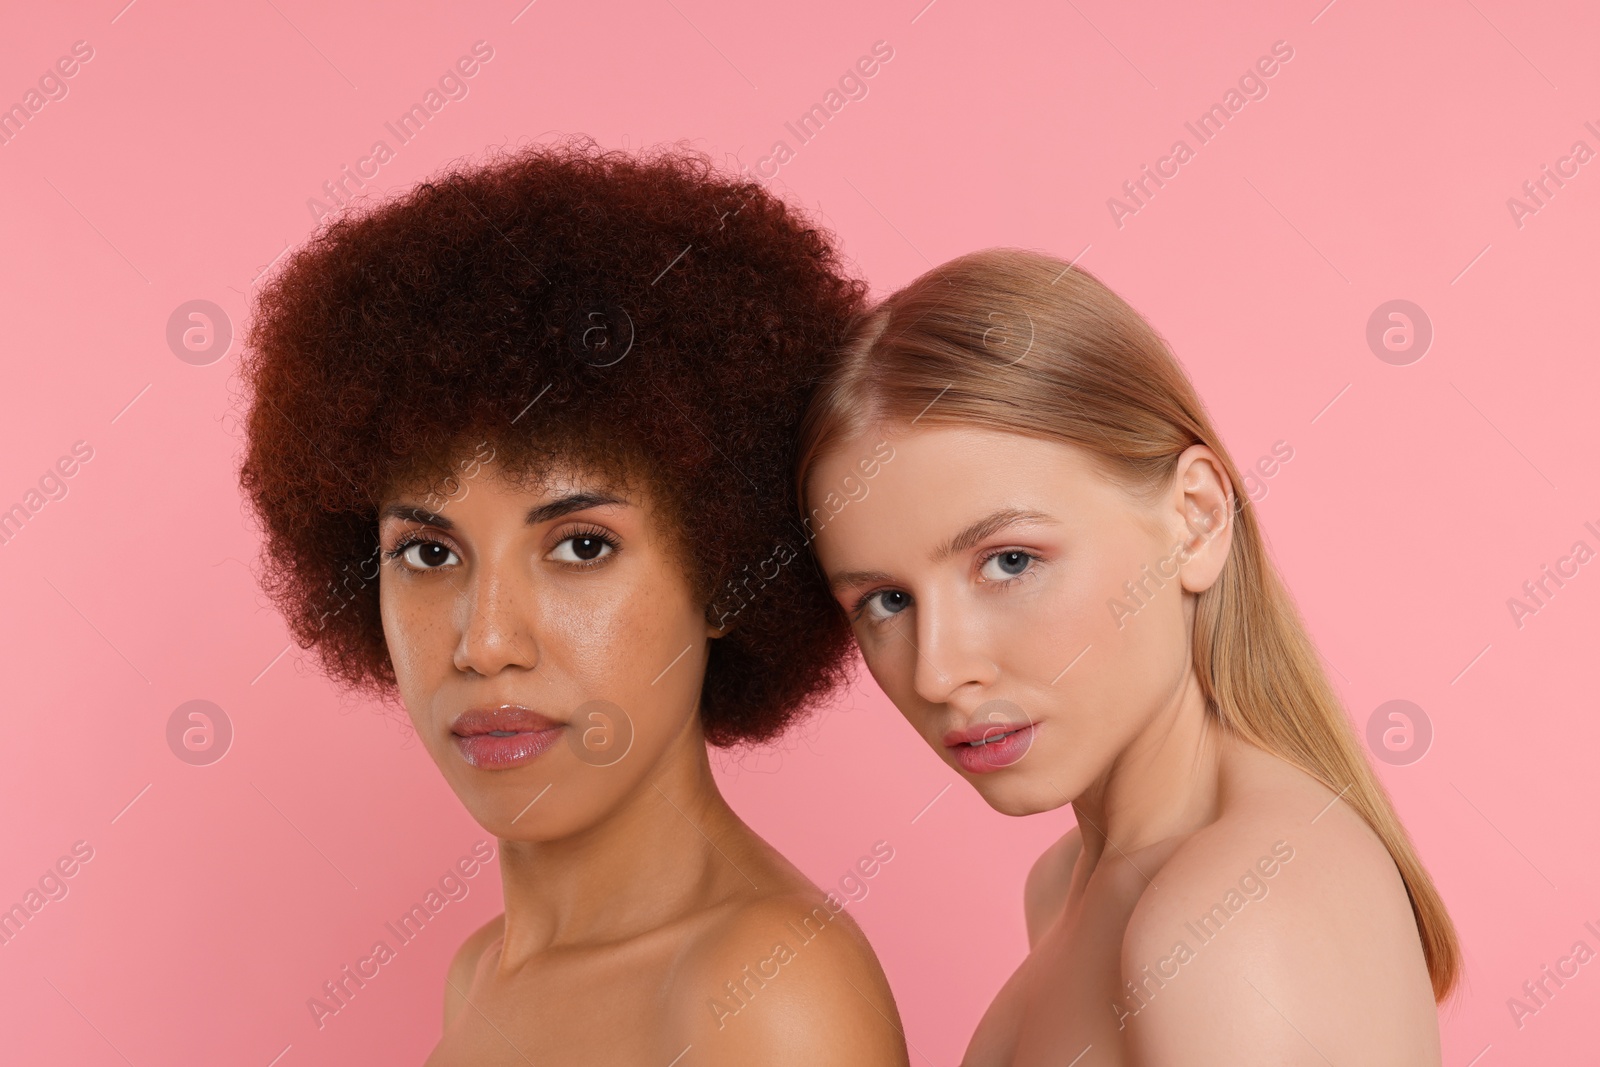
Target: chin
(512, 819)
(1019, 795)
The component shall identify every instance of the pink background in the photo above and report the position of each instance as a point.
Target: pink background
(1418, 500)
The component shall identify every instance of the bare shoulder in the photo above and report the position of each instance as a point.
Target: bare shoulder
(1044, 894)
(458, 978)
(786, 978)
(1281, 932)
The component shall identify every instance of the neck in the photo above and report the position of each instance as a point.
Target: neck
(647, 861)
(1166, 783)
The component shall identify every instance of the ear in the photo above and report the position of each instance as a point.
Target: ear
(720, 624)
(1200, 510)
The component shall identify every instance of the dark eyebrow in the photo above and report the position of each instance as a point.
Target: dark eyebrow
(555, 509)
(962, 541)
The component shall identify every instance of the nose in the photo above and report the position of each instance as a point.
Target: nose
(951, 653)
(493, 620)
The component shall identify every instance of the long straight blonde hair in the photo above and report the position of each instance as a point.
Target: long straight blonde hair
(1025, 343)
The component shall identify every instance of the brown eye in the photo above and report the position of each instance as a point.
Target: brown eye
(425, 555)
(581, 548)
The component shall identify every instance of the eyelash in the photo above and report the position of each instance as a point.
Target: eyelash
(861, 604)
(595, 532)
(393, 555)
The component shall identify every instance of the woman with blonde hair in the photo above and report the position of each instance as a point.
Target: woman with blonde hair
(1050, 573)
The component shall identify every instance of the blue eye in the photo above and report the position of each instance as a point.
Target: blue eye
(1003, 565)
(885, 604)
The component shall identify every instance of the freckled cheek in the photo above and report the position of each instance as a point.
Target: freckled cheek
(617, 643)
(420, 649)
(594, 643)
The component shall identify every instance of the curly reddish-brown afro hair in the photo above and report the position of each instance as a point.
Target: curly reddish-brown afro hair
(638, 314)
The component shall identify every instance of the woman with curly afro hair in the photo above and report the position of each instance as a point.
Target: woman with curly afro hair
(521, 444)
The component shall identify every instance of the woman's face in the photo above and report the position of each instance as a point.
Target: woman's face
(1005, 592)
(546, 641)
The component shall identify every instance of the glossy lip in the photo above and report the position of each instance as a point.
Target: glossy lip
(503, 736)
(982, 731)
(990, 746)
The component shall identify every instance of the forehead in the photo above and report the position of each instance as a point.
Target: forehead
(941, 478)
(901, 459)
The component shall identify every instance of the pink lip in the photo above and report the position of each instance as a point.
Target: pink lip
(1004, 744)
(495, 738)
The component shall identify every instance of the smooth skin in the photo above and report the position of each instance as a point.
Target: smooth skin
(633, 893)
(980, 566)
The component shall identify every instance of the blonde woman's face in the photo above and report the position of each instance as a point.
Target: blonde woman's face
(1027, 616)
